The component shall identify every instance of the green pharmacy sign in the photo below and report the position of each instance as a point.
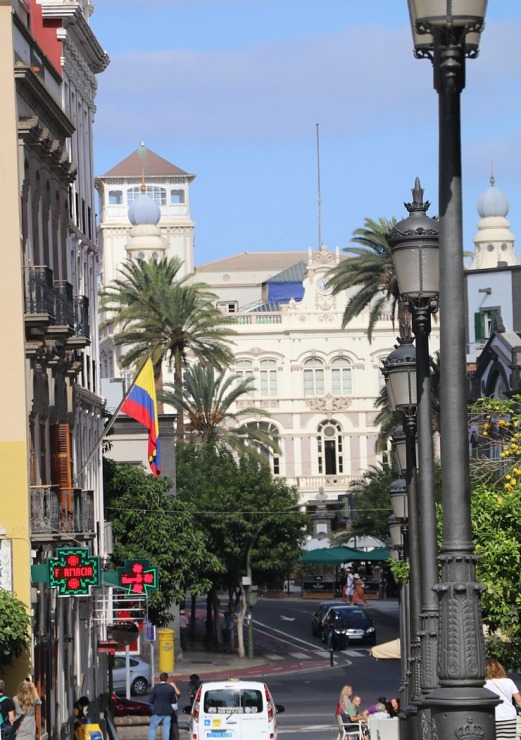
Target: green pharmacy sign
(138, 577)
(73, 571)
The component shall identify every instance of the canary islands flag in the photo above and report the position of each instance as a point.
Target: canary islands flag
(141, 405)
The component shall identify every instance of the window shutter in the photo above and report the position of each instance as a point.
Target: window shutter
(32, 455)
(62, 472)
(479, 326)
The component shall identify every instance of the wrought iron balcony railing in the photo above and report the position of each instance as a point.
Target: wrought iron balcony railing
(39, 296)
(59, 511)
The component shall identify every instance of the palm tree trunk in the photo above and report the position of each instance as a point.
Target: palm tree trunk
(178, 381)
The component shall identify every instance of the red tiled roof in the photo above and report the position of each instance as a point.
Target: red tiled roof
(145, 161)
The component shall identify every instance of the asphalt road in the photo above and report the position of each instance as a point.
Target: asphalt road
(305, 684)
(298, 670)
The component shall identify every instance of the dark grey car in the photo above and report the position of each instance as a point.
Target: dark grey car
(319, 614)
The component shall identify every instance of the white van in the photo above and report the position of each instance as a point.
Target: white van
(234, 709)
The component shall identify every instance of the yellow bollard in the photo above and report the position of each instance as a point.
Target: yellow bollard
(166, 650)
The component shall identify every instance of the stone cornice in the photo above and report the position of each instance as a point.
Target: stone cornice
(44, 104)
(34, 135)
(72, 17)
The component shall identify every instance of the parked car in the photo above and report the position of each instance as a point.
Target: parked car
(129, 707)
(352, 626)
(319, 614)
(241, 710)
(140, 675)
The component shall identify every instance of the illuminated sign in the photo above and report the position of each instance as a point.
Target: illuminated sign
(138, 577)
(73, 571)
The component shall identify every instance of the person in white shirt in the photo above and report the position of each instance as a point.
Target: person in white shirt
(505, 712)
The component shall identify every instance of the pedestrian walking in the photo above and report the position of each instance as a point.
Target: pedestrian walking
(164, 695)
(184, 624)
(7, 714)
(505, 712)
(25, 702)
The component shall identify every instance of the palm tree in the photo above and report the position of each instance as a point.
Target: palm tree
(371, 268)
(168, 319)
(206, 400)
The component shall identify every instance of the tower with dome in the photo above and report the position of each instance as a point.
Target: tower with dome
(494, 242)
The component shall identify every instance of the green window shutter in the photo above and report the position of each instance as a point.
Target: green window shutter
(479, 326)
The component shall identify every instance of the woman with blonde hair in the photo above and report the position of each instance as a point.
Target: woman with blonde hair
(24, 703)
(505, 713)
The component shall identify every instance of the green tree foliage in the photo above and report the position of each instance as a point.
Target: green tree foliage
(238, 502)
(14, 628)
(370, 268)
(371, 505)
(206, 401)
(156, 314)
(150, 523)
(496, 521)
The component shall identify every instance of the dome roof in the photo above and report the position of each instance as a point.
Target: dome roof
(492, 202)
(144, 211)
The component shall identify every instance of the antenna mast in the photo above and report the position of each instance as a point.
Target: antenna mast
(319, 201)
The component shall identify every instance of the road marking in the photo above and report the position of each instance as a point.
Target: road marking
(301, 656)
(287, 619)
(322, 653)
(289, 638)
(273, 656)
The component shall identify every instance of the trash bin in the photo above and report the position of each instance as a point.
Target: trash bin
(166, 650)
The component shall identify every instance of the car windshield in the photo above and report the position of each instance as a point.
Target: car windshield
(238, 701)
(356, 620)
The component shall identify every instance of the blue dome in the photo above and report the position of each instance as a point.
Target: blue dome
(144, 212)
(492, 202)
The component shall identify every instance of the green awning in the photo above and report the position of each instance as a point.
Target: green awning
(337, 555)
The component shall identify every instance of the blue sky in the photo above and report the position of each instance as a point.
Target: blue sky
(232, 90)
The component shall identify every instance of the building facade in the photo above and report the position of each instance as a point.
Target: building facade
(318, 381)
(51, 500)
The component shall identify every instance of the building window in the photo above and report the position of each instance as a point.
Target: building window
(157, 194)
(115, 197)
(228, 306)
(485, 323)
(313, 377)
(177, 196)
(340, 377)
(244, 371)
(330, 449)
(268, 377)
(272, 458)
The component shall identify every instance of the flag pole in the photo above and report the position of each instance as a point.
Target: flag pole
(110, 423)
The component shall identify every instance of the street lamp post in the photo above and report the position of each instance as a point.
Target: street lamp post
(446, 31)
(400, 377)
(399, 540)
(414, 246)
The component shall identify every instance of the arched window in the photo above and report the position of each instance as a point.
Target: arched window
(330, 448)
(272, 458)
(340, 377)
(313, 377)
(268, 377)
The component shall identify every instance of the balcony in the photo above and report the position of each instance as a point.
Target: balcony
(57, 512)
(81, 336)
(63, 326)
(39, 304)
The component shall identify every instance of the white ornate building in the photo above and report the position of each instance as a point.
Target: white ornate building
(318, 381)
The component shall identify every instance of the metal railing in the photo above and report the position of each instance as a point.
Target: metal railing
(56, 510)
(39, 291)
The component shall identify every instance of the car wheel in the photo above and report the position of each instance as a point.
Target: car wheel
(139, 686)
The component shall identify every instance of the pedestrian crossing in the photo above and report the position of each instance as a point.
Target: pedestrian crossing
(314, 654)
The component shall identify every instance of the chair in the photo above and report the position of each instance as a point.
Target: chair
(384, 729)
(350, 730)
